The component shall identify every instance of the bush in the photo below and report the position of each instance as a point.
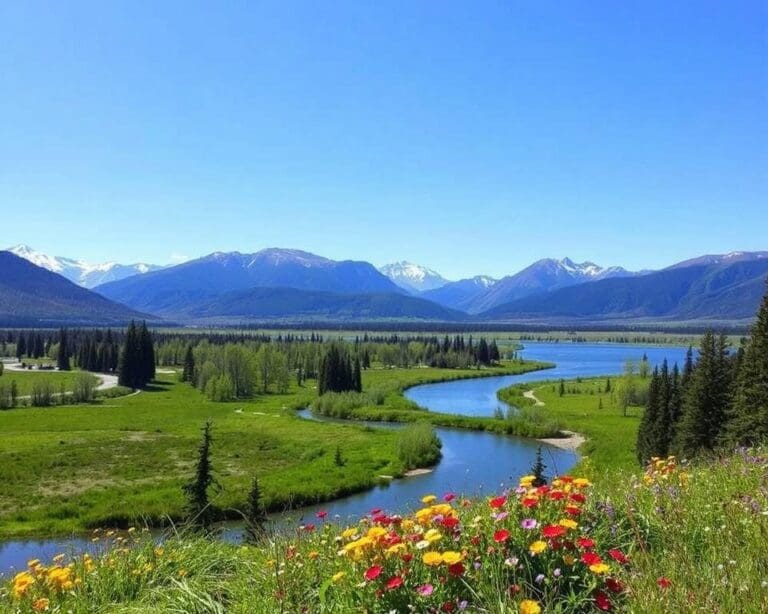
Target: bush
(84, 388)
(342, 404)
(41, 394)
(418, 445)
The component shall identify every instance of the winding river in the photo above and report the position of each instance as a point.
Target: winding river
(473, 462)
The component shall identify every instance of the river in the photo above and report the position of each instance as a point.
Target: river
(473, 463)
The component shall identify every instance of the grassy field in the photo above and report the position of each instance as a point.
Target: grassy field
(24, 380)
(587, 409)
(124, 460)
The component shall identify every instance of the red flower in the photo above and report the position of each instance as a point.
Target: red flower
(556, 495)
(578, 497)
(614, 585)
(497, 502)
(447, 606)
(373, 573)
(590, 558)
(530, 501)
(618, 556)
(501, 535)
(450, 522)
(585, 542)
(572, 510)
(321, 514)
(448, 497)
(602, 601)
(393, 583)
(553, 530)
(309, 527)
(456, 569)
(542, 490)
(664, 582)
(407, 557)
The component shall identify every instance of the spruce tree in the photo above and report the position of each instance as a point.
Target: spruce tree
(127, 366)
(255, 515)
(646, 433)
(198, 512)
(188, 374)
(62, 359)
(538, 468)
(747, 422)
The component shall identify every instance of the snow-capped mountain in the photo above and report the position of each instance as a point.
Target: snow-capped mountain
(80, 272)
(413, 277)
(460, 294)
(542, 276)
(721, 259)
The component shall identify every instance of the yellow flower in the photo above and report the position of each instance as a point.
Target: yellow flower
(376, 532)
(537, 547)
(33, 563)
(428, 499)
(432, 558)
(599, 568)
(313, 555)
(568, 523)
(397, 548)
(41, 605)
(451, 557)
(433, 535)
(336, 578)
(21, 583)
(581, 482)
(529, 606)
(350, 532)
(407, 524)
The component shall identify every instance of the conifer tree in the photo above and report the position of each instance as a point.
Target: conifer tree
(537, 470)
(747, 422)
(62, 359)
(646, 433)
(255, 515)
(198, 510)
(188, 374)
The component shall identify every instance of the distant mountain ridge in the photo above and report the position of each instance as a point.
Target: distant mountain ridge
(717, 289)
(81, 272)
(542, 276)
(31, 295)
(413, 277)
(176, 288)
(461, 294)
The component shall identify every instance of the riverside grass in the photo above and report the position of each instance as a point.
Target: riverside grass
(124, 460)
(26, 380)
(678, 538)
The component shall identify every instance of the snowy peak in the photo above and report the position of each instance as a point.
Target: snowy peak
(79, 271)
(728, 258)
(413, 277)
(580, 270)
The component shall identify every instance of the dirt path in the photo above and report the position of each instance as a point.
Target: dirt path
(106, 380)
(573, 440)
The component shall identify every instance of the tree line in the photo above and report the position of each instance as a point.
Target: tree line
(720, 399)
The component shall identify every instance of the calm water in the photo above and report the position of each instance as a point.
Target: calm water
(473, 462)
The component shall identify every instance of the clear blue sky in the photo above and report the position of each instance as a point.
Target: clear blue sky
(472, 137)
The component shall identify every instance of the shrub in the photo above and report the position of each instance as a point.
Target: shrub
(418, 445)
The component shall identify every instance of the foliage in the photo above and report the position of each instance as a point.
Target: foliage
(418, 445)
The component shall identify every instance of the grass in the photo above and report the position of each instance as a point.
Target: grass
(686, 539)
(610, 434)
(124, 460)
(24, 381)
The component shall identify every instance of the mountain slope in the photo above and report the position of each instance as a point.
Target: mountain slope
(33, 296)
(177, 288)
(79, 271)
(542, 276)
(413, 277)
(723, 290)
(460, 294)
(290, 303)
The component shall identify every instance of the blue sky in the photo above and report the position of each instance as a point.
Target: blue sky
(472, 137)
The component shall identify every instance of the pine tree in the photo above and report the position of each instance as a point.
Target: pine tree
(128, 375)
(537, 470)
(188, 374)
(647, 444)
(255, 515)
(62, 359)
(707, 398)
(747, 422)
(561, 391)
(199, 511)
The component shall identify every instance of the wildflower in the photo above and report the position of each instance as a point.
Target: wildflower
(614, 585)
(336, 578)
(602, 601)
(501, 536)
(373, 572)
(529, 523)
(394, 582)
(21, 583)
(433, 535)
(568, 523)
(41, 605)
(500, 516)
(432, 558)
(581, 482)
(618, 556)
(537, 547)
(529, 606)
(456, 569)
(585, 542)
(664, 582)
(450, 557)
(347, 533)
(539, 579)
(553, 530)
(428, 499)
(497, 502)
(448, 497)
(599, 568)
(590, 558)
(321, 514)
(530, 501)
(420, 545)
(425, 590)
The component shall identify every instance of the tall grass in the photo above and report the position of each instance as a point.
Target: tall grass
(418, 445)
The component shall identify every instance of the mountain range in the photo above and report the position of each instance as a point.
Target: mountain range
(79, 271)
(33, 296)
(290, 284)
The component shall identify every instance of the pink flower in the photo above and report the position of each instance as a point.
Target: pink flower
(373, 572)
(321, 514)
(425, 590)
